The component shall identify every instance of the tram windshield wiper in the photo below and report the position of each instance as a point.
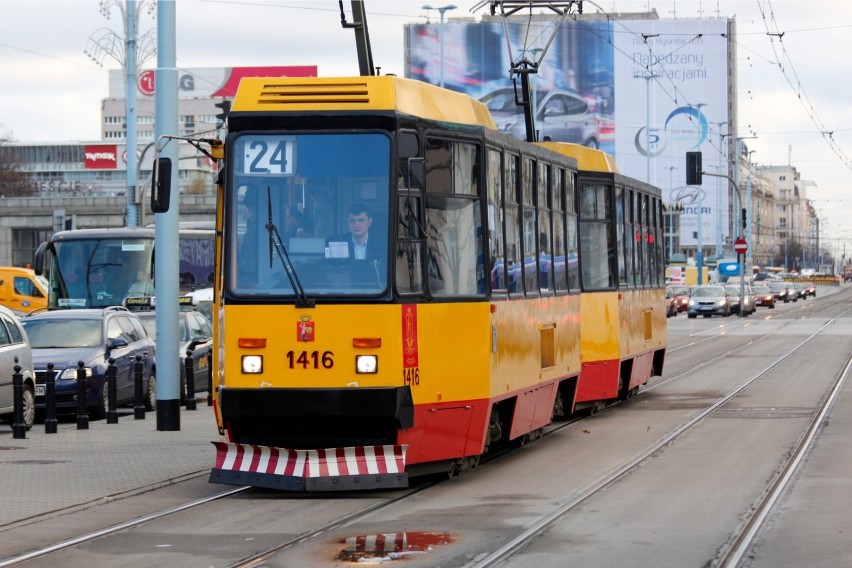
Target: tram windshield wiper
(277, 244)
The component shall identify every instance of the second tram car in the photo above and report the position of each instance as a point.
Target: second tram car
(400, 288)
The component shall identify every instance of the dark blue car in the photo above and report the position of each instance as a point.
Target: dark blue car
(93, 336)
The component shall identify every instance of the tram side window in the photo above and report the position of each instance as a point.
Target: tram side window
(630, 245)
(496, 244)
(530, 231)
(559, 258)
(652, 243)
(455, 256)
(596, 246)
(513, 225)
(571, 246)
(409, 273)
(545, 243)
(619, 236)
(647, 259)
(660, 242)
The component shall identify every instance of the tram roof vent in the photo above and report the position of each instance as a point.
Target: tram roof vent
(279, 94)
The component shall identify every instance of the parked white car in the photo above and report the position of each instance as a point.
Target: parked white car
(15, 350)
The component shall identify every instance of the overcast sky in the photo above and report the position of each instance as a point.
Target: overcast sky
(793, 88)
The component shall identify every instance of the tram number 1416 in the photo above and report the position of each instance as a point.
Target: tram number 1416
(312, 359)
(411, 376)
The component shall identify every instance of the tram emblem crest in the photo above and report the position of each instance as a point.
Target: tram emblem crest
(305, 330)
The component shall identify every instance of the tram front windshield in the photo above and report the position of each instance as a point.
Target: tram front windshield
(309, 211)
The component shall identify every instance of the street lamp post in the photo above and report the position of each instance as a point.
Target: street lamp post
(130, 52)
(648, 77)
(722, 160)
(750, 251)
(441, 10)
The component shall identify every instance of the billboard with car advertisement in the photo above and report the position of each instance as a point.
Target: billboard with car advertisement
(644, 90)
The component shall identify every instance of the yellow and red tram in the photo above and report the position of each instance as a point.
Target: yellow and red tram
(401, 288)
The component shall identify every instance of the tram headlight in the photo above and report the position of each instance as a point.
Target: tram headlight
(252, 364)
(366, 364)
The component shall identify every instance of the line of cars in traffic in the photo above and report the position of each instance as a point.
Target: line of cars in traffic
(723, 299)
(85, 340)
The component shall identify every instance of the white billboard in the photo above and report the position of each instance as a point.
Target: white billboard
(657, 88)
(671, 97)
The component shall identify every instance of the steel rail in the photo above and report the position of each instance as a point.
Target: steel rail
(565, 505)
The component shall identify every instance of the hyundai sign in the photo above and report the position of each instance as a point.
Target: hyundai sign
(728, 268)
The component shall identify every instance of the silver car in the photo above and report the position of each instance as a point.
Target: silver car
(708, 300)
(561, 116)
(15, 350)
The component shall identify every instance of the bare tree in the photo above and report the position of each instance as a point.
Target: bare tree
(13, 182)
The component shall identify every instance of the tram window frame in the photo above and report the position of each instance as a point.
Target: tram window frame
(620, 232)
(512, 222)
(572, 232)
(544, 230)
(660, 242)
(652, 240)
(647, 265)
(460, 189)
(596, 218)
(529, 226)
(410, 239)
(495, 222)
(630, 242)
(559, 220)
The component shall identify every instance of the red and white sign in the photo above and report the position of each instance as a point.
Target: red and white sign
(146, 83)
(206, 82)
(740, 246)
(100, 157)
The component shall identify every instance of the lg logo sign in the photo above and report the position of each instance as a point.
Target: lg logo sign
(147, 84)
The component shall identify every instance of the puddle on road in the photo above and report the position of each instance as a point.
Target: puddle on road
(390, 546)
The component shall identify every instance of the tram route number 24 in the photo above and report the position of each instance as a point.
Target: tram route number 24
(411, 376)
(310, 360)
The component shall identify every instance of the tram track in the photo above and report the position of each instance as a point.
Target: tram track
(744, 535)
(564, 505)
(68, 543)
(733, 553)
(567, 504)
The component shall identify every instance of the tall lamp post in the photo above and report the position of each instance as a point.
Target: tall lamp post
(441, 10)
(722, 159)
(648, 77)
(750, 254)
(130, 52)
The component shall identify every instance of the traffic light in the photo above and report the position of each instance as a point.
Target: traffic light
(225, 105)
(693, 168)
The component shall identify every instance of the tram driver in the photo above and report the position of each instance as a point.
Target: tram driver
(355, 244)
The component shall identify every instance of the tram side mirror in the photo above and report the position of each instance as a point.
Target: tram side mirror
(416, 174)
(161, 185)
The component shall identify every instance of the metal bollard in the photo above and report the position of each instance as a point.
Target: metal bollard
(210, 378)
(19, 429)
(189, 370)
(82, 414)
(139, 405)
(50, 400)
(112, 395)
